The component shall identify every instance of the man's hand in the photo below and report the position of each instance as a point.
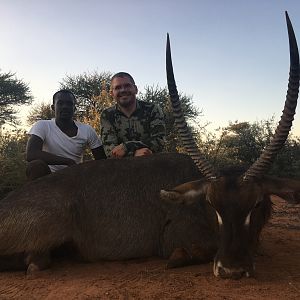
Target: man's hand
(70, 162)
(119, 151)
(143, 152)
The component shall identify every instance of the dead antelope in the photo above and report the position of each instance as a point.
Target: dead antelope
(111, 209)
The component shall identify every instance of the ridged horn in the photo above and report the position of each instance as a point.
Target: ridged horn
(268, 155)
(183, 130)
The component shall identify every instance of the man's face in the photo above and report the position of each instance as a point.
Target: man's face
(123, 91)
(64, 106)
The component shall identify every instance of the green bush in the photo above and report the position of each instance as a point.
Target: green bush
(12, 161)
(241, 143)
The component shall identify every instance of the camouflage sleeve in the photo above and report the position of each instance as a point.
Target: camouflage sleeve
(108, 134)
(156, 141)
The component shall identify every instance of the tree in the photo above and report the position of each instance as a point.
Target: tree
(92, 91)
(13, 92)
(241, 143)
(89, 114)
(41, 111)
(100, 102)
(287, 163)
(87, 87)
(160, 96)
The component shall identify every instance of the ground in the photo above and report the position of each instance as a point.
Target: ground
(277, 273)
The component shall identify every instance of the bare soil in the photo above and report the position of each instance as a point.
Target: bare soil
(277, 273)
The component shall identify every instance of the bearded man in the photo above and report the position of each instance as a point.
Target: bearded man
(131, 127)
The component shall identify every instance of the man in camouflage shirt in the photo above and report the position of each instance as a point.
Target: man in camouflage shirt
(131, 127)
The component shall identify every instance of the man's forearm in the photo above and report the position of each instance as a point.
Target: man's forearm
(155, 144)
(49, 158)
(132, 146)
(108, 148)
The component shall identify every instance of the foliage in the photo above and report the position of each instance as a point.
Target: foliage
(12, 160)
(90, 116)
(160, 96)
(87, 87)
(92, 91)
(287, 163)
(13, 92)
(41, 111)
(241, 143)
(100, 102)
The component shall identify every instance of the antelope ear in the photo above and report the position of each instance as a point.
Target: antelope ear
(187, 193)
(287, 189)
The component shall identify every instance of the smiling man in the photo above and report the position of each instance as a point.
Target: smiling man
(131, 127)
(60, 142)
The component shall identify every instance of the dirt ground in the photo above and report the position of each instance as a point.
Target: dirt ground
(277, 273)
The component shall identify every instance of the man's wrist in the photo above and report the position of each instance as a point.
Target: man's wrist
(125, 148)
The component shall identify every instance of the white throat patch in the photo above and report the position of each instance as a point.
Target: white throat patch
(247, 220)
(220, 221)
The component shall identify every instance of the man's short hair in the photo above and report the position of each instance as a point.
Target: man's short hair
(123, 75)
(64, 92)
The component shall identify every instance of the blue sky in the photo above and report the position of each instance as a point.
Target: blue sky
(231, 56)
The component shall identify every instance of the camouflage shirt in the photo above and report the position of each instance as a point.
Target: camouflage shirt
(144, 128)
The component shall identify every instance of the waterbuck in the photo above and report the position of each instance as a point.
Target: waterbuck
(112, 210)
(241, 202)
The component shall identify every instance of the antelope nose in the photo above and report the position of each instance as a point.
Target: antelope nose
(231, 274)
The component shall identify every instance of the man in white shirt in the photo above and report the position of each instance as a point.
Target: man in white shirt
(60, 142)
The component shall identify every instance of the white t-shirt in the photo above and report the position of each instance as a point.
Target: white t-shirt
(58, 143)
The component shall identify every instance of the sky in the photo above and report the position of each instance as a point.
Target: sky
(230, 56)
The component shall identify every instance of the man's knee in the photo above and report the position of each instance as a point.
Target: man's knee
(37, 168)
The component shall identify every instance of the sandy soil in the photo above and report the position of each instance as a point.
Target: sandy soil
(277, 274)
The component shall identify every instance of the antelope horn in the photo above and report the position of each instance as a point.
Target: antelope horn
(184, 132)
(268, 155)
